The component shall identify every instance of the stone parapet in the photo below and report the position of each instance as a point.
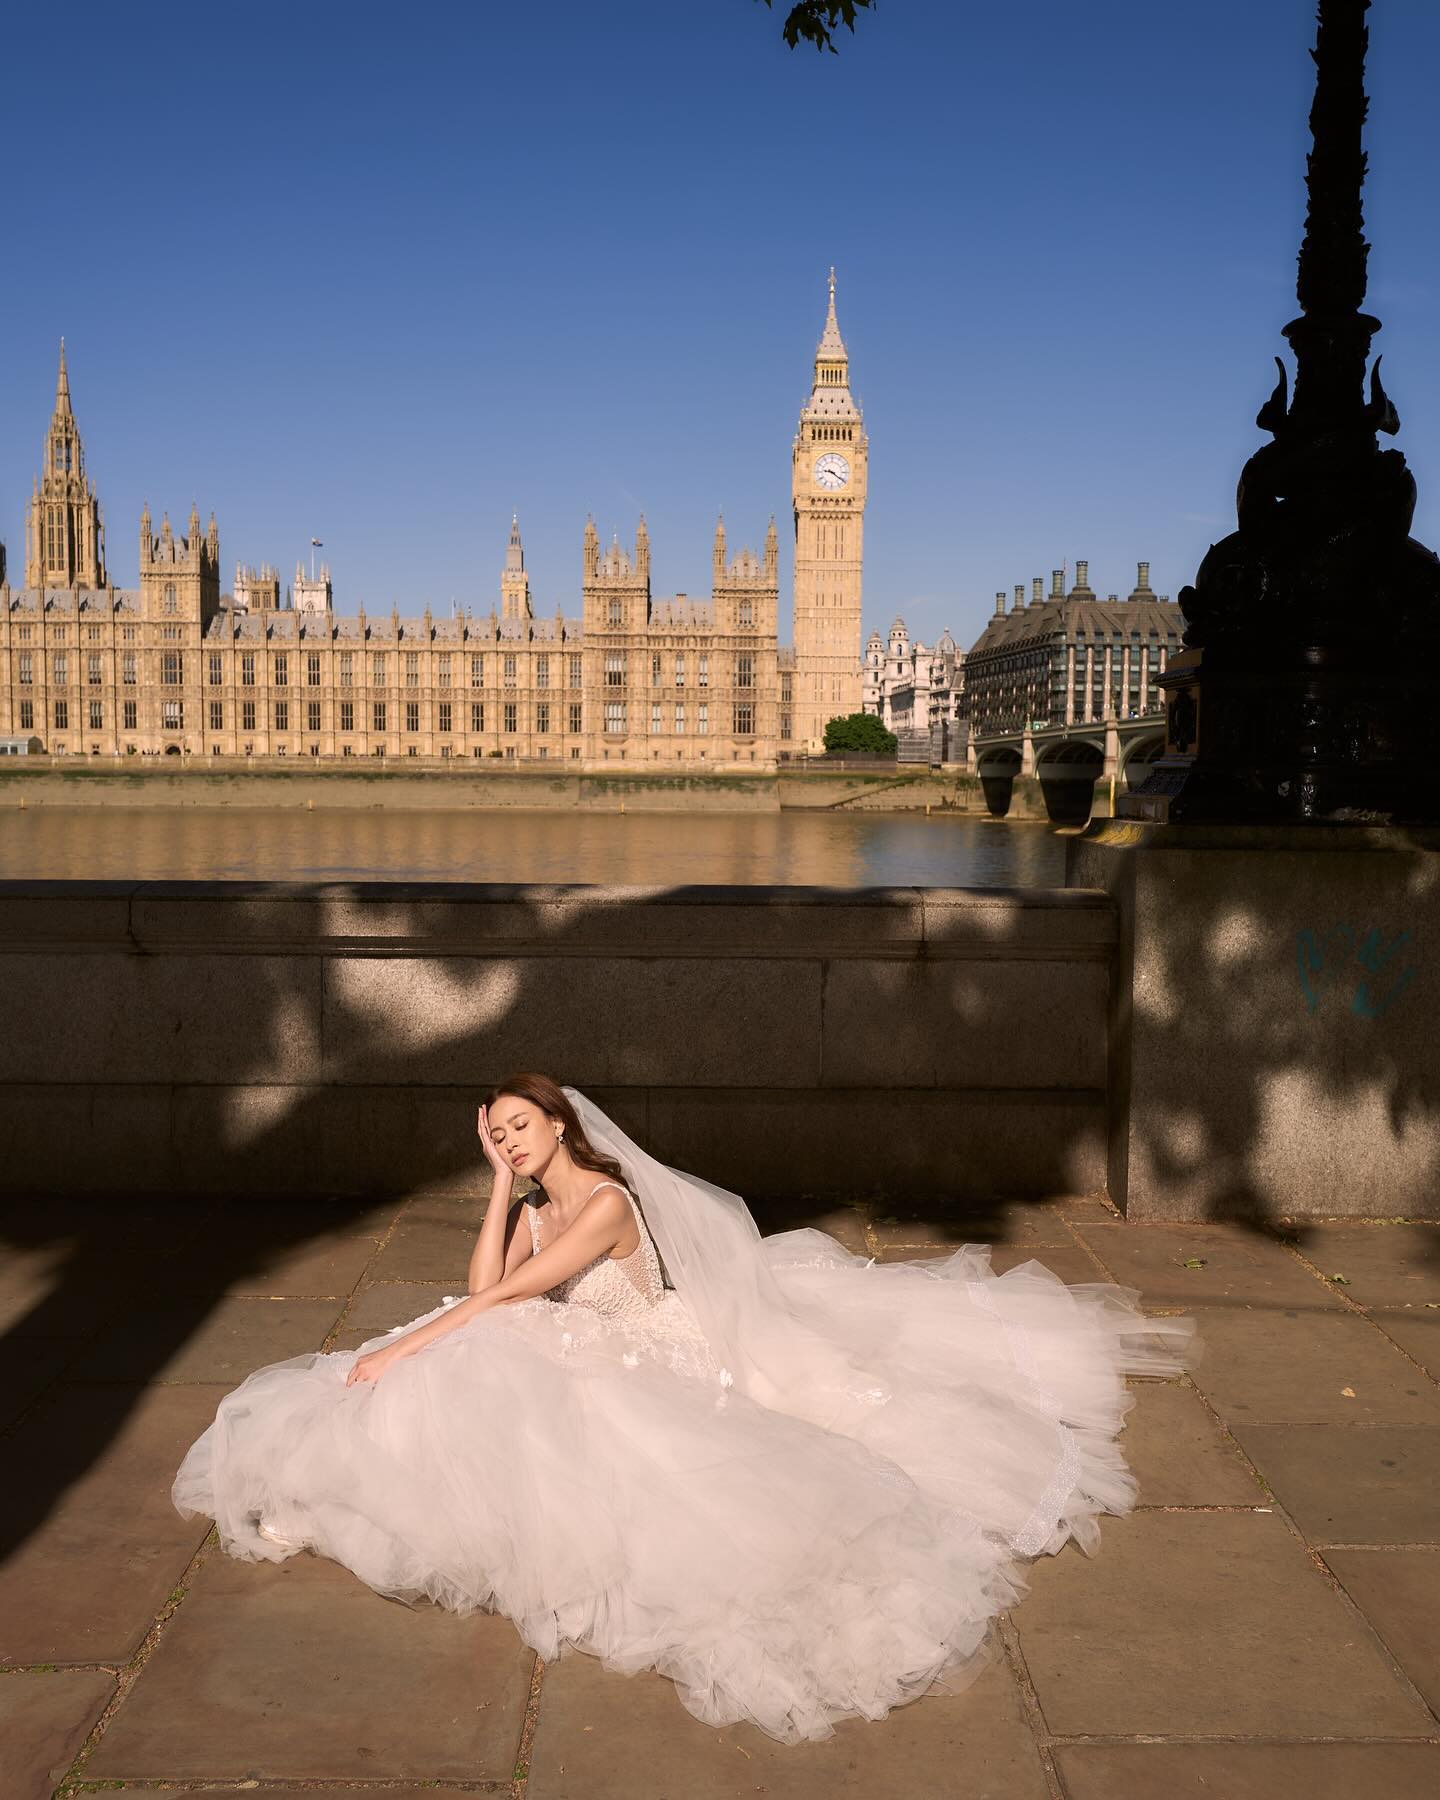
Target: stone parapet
(297, 1039)
(1271, 1030)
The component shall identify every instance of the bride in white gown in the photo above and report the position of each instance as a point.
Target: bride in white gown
(798, 1482)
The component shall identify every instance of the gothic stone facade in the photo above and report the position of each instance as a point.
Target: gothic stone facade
(174, 667)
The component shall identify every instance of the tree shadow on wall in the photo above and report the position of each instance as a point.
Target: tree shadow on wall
(1275, 1039)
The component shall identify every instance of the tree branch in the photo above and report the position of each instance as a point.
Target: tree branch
(816, 21)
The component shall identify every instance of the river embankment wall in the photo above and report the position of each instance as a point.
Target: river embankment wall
(221, 1038)
(442, 785)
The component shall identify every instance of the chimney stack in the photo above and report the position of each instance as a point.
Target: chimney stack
(1020, 597)
(1000, 604)
(1037, 588)
(1142, 577)
(1082, 575)
(1057, 584)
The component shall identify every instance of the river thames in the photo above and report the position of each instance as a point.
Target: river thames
(821, 849)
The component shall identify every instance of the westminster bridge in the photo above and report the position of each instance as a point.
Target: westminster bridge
(1080, 767)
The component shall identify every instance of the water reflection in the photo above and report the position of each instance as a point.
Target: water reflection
(654, 849)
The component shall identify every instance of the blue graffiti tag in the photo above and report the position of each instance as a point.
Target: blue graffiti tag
(1376, 954)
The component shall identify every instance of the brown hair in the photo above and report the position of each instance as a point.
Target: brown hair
(553, 1101)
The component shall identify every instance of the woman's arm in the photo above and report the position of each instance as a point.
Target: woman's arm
(486, 1266)
(601, 1225)
(489, 1259)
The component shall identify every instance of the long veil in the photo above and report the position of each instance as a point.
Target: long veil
(711, 1249)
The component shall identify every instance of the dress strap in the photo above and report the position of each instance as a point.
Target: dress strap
(608, 1183)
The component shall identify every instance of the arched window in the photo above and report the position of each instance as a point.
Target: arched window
(170, 601)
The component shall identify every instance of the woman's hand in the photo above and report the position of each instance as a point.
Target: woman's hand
(371, 1367)
(493, 1154)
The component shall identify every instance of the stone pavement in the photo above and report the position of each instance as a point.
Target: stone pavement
(1263, 1626)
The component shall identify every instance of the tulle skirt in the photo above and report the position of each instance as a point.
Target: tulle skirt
(608, 1487)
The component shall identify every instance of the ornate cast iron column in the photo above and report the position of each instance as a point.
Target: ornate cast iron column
(1308, 687)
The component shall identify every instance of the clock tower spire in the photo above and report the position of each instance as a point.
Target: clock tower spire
(829, 472)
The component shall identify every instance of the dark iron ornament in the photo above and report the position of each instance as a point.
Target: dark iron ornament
(1313, 631)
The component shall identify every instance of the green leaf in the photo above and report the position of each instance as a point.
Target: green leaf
(1195, 1262)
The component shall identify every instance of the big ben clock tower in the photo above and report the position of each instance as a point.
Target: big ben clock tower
(827, 485)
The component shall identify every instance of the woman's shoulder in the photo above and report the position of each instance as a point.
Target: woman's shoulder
(610, 1194)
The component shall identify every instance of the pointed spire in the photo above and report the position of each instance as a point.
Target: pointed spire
(832, 345)
(720, 545)
(62, 387)
(514, 550)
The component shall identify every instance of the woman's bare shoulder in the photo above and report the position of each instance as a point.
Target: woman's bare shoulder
(609, 1197)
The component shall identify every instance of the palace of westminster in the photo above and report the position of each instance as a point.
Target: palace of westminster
(175, 667)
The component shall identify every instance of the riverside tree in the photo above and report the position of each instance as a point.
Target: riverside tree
(862, 733)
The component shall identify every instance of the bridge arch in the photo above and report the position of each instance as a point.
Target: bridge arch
(1067, 772)
(1137, 754)
(997, 765)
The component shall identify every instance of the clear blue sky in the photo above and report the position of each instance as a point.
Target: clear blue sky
(382, 275)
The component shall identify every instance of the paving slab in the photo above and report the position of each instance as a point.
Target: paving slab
(1089, 1209)
(1383, 1264)
(1072, 1262)
(603, 1736)
(251, 1790)
(952, 1222)
(1230, 1266)
(99, 1544)
(329, 1263)
(1399, 1593)
(427, 1249)
(1205, 1624)
(284, 1221)
(1352, 1484)
(333, 1266)
(385, 1303)
(223, 1339)
(297, 1671)
(44, 1721)
(1308, 1368)
(1179, 1455)
(27, 1367)
(1250, 1771)
(44, 1292)
(1416, 1330)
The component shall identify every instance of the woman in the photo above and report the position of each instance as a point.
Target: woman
(799, 1483)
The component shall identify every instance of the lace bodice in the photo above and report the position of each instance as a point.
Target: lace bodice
(626, 1286)
(624, 1302)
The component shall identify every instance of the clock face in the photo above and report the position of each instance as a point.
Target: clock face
(831, 470)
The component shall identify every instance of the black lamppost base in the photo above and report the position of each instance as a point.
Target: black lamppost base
(1313, 630)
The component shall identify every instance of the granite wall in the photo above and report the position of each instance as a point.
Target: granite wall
(1272, 1025)
(274, 1040)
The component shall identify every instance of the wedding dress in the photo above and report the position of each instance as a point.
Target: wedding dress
(798, 1482)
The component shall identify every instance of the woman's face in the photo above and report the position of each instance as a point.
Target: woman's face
(524, 1134)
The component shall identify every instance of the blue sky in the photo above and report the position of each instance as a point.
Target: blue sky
(381, 277)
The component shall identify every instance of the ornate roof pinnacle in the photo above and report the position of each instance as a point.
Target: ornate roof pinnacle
(62, 385)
